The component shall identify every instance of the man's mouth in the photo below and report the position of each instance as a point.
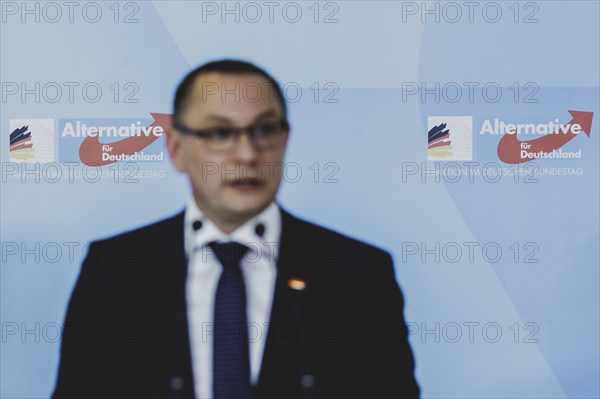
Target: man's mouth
(246, 184)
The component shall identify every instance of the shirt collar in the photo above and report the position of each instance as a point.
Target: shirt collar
(246, 234)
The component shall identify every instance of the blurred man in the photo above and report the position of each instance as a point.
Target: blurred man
(234, 297)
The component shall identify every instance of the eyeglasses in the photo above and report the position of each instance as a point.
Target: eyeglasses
(264, 136)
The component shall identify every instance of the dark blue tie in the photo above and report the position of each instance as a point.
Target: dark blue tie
(231, 359)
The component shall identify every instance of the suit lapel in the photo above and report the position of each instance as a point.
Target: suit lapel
(169, 272)
(292, 311)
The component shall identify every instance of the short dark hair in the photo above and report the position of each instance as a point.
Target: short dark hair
(225, 66)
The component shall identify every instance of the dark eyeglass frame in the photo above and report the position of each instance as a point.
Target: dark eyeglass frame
(282, 124)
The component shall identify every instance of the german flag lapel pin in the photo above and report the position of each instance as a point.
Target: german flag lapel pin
(297, 284)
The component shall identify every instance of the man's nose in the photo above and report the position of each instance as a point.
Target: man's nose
(245, 150)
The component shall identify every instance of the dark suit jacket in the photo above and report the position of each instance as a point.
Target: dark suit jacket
(126, 331)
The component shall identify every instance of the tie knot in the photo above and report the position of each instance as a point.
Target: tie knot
(229, 253)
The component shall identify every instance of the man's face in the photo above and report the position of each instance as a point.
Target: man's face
(233, 186)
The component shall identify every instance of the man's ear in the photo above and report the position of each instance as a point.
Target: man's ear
(287, 135)
(175, 148)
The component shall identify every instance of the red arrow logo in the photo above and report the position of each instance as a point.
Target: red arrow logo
(91, 149)
(509, 147)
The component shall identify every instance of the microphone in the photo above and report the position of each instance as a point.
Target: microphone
(197, 225)
(259, 229)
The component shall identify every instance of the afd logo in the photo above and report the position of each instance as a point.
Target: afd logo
(552, 136)
(450, 138)
(32, 140)
(99, 142)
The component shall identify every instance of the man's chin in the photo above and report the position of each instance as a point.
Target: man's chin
(244, 209)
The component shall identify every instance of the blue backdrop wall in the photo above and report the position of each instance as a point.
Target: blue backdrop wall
(497, 253)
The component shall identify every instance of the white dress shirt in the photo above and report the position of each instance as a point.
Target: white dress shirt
(204, 269)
